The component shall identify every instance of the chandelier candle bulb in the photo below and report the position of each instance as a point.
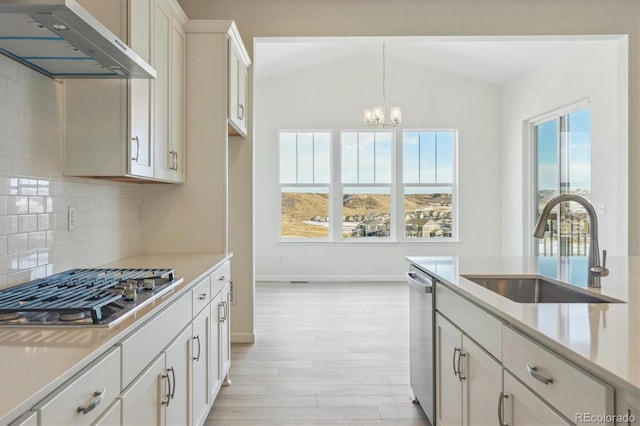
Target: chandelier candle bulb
(396, 114)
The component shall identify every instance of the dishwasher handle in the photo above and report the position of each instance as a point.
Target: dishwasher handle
(423, 287)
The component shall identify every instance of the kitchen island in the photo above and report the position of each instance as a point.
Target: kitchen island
(38, 360)
(600, 339)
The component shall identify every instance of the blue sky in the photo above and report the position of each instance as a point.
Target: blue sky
(579, 152)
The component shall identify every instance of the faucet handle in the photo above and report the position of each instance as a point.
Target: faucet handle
(600, 271)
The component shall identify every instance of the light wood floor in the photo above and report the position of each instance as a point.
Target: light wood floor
(326, 354)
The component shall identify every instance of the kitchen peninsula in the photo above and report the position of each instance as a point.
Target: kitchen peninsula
(558, 362)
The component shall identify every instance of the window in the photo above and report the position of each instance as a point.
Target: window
(305, 176)
(364, 186)
(428, 178)
(367, 170)
(562, 146)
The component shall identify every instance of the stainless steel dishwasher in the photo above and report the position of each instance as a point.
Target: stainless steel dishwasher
(421, 354)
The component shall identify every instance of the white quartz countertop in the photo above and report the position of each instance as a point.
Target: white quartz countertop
(36, 360)
(602, 337)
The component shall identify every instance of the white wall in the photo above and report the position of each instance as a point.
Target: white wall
(34, 197)
(332, 96)
(587, 71)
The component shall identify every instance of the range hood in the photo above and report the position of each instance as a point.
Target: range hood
(60, 39)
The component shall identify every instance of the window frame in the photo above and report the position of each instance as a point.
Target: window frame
(396, 187)
(453, 185)
(531, 248)
(340, 186)
(329, 186)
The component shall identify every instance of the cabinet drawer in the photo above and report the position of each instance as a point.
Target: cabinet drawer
(149, 340)
(201, 295)
(480, 325)
(570, 390)
(219, 278)
(93, 389)
(524, 408)
(27, 419)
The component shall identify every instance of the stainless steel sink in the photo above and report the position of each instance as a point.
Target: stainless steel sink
(537, 289)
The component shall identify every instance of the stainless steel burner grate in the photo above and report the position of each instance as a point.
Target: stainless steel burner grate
(78, 293)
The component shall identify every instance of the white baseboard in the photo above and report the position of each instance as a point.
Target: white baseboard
(330, 278)
(243, 337)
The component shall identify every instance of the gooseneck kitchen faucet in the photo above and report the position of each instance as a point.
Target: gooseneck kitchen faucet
(594, 271)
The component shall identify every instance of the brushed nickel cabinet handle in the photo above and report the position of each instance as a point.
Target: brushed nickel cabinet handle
(453, 361)
(175, 153)
(240, 111)
(221, 316)
(197, 358)
(98, 397)
(173, 388)
(137, 157)
(533, 371)
(460, 375)
(501, 399)
(202, 296)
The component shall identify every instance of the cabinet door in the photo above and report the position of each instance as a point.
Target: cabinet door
(143, 401)
(237, 91)
(225, 333)
(111, 417)
(215, 373)
(178, 356)
(448, 384)
(481, 384)
(141, 140)
(200, 361)
(522, 407)
(177, 96)
(161, 34)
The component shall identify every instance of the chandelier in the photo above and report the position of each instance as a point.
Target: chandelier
(375, 116)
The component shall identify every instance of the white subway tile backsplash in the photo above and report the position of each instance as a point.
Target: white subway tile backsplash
(37, 204)
(17, 243)
(17, 204)
(37, 240)
(34, 196)
(27, 223)
(8, 225)
(43, 222)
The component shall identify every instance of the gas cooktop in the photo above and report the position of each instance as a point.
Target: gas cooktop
(84, 297)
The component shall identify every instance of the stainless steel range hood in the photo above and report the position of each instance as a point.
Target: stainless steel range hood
(61, 39)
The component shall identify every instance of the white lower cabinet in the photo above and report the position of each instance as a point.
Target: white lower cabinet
(178, 357)
(489, 373)
(84, 397)
(29, 418)
(111, 416)
(215, 373)
(519, 406)
(200, 361)
(143, 401)
(224, 323)
(468, 379)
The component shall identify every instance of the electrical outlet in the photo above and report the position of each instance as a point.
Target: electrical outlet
(72, 218)
(232, 292)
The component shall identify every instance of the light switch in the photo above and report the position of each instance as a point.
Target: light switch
(602, 209)
(72, 218)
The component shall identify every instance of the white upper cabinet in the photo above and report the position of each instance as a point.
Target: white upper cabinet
(239, 63)
(131, 130)
(169, 90)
